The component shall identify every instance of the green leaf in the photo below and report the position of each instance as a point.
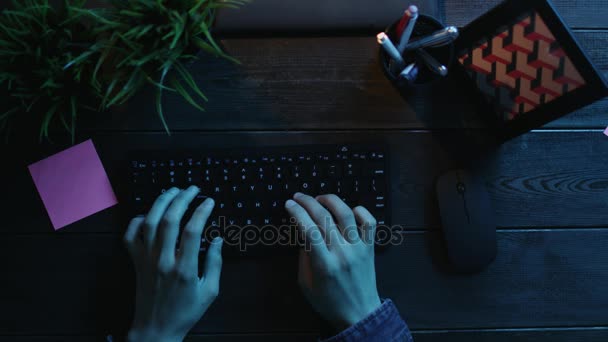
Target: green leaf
(44, 129)
(127, 89)
(143, 31)
(159, 95)
(184, 93)
(31, 104)
(50, 83)
(105, 52)
(189, 80)
(111, 86)
(165, 68)
(93, 14)
(146, 59)
(149, 79)
(180, 26)
(14, 35)
(128, 60)
(196, 7)
(132, 32)
(82, 57)
(131, 13)
(72, 17)
(215, 46)
(8, 113)
(64, 123)
(24, 15)
(168, 35)
(159, 110)
(205, 46)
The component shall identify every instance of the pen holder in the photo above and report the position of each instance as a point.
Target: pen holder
(425, 25)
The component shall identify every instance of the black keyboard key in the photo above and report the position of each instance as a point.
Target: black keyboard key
(352, 169)
(295, 171)
(250, 189)
(325, 187)
(378, 186)
(288, 188)
(334, 171)
(308, 187)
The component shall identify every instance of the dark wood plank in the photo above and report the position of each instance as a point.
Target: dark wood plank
(542, 179)
(281, 17)
(513, 335)
(251, 18)
(506, 335)
(51, 338)
(579, 14)
(510, 335)
(599, 334)
(82, 285)
(54, 282)
(320, 83)
(576, 14)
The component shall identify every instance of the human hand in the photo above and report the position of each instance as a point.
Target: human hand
(170, 296)
(336, 269)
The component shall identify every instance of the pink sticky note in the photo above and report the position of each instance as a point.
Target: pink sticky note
(73, 184)
(606, 131)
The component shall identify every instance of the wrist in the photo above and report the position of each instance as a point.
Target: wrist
(151, 335)
(357, 316)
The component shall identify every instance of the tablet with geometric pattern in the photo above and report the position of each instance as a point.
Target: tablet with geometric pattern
(521, 67)
(525, 62)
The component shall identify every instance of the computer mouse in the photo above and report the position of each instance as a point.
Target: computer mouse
(467, 221)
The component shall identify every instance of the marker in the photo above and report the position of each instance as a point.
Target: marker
(408, 68)
(439, 38)
(390, 49)
(405, 19)
(432, 63)
(409, 28)
(410, 73)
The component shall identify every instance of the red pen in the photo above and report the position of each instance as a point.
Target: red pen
(405, 19)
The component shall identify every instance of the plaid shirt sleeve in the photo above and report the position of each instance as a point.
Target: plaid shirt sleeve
(384, 324)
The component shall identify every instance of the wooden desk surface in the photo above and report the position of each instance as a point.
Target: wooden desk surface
(549, 189)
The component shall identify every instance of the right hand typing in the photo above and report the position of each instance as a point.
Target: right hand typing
(336, 268)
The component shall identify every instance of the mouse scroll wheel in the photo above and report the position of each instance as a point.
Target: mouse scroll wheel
(460, 188)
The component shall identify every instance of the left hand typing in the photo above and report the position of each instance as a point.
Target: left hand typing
(170, 295)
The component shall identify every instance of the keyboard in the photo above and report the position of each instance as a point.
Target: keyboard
(250, 187)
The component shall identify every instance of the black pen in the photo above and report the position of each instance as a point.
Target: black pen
(439, 38)
(432, 63)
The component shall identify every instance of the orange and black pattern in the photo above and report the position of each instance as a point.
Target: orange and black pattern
(521, 67)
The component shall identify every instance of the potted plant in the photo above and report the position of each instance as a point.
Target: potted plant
(56, 61)
(149, 42)
(36, 42)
